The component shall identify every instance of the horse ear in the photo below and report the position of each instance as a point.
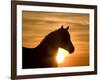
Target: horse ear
(67, 28)
(62, 27)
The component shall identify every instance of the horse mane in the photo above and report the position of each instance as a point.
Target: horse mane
(50, 37)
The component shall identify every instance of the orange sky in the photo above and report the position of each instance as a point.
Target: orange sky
(36, 25)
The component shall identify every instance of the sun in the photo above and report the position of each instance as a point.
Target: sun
(61, 55)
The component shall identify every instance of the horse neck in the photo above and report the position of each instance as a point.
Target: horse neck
(50, 43)
(48, 46)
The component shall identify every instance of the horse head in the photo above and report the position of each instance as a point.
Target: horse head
(65, 40)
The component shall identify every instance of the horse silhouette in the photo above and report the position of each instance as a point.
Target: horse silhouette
(44, 55)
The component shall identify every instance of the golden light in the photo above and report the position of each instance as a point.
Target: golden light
(61, 55)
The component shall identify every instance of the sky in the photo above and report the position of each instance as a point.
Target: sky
(36, 25)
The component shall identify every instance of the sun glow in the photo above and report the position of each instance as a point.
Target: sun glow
(61, 55)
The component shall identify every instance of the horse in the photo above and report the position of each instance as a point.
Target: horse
(44, 55)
